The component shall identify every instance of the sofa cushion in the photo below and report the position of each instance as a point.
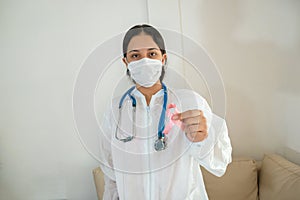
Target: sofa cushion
(279, 179)
(239, 182)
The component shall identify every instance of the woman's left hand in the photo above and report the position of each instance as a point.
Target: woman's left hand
(194, 124)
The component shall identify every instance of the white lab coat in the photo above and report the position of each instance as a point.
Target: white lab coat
(134, 170)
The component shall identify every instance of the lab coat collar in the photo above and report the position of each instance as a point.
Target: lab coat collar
(139, 95)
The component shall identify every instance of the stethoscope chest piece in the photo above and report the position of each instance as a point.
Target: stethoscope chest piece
(160, 144)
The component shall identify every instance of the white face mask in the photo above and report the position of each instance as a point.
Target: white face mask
(146, 71)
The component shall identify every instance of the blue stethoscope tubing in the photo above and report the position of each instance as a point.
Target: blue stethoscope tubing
(161, 125)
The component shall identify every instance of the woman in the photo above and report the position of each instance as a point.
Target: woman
(154, 137)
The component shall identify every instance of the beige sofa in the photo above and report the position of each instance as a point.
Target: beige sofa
(273, 178)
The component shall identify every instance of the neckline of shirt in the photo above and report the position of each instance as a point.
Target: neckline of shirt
(138, 94)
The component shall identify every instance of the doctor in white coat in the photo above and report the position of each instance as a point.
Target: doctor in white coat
(154, 138)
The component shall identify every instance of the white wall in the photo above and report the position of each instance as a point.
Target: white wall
(255, 44)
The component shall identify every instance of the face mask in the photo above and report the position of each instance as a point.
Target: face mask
(146, 71)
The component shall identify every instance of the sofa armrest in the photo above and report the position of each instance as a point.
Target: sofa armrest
(99, 182)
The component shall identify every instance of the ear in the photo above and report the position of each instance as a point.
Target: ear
(125, 61)
(164, 58)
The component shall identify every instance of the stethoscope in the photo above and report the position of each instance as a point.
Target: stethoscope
(160, 143)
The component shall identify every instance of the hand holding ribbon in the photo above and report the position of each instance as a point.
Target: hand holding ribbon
(192, 122)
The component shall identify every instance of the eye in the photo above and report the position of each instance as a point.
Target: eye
(153, 54)
(135, 55)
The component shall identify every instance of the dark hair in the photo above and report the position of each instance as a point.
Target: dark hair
(148, 30)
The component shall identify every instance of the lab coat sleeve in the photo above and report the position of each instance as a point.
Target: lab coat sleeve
(110, 187)
(213, 153)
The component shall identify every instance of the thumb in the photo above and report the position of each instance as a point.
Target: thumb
(176, 116)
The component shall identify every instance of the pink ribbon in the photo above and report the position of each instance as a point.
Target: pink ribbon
(171, 122)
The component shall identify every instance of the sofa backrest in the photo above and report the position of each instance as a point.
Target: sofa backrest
(238, 183)
(274, 178)
(279, 179)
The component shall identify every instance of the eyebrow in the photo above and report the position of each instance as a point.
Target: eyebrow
(136, 50)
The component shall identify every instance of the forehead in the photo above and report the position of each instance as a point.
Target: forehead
(141, 42)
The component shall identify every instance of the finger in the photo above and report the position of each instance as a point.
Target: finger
(196, 128)
(190, 136)
(187, 114)
(192, 128)
(192, 120)
(197, 136)
(190, 113)
(195, 120)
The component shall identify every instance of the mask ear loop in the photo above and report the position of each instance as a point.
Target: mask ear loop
(127, 63)
(164, 65)
(127, 70)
